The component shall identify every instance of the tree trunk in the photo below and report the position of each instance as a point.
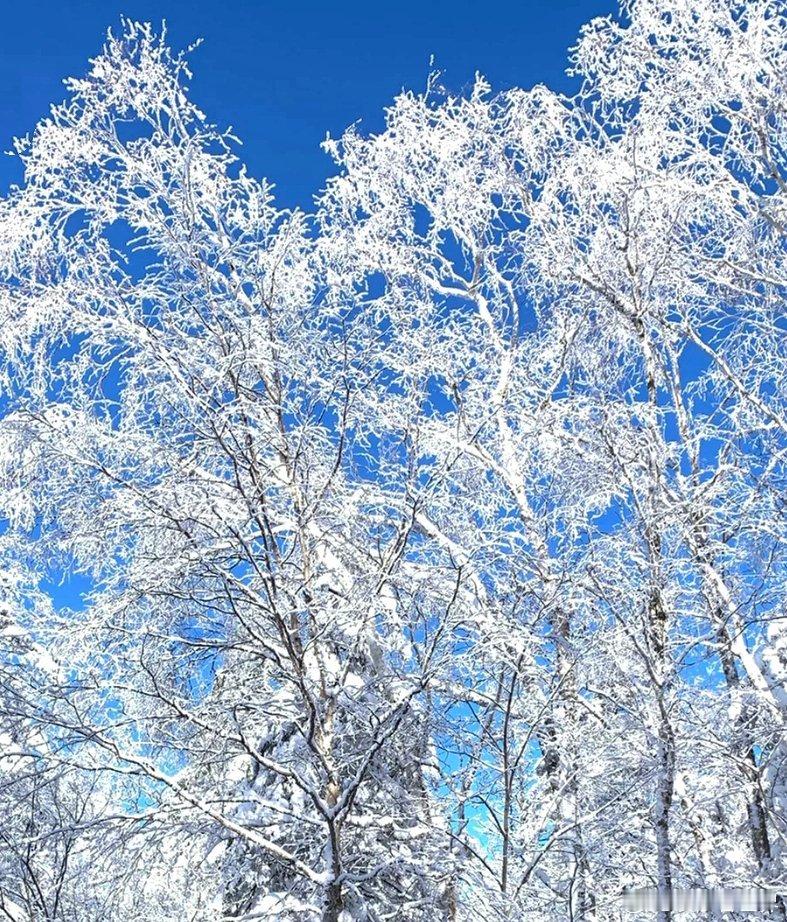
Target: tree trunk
(334, 896)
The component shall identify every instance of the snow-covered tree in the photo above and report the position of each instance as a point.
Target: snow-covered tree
(434, 542)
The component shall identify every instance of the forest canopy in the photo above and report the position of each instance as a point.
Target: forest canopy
(433, 540)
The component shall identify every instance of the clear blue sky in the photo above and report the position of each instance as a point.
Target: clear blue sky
(282, 74)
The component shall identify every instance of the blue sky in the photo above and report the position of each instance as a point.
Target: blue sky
(282, 74)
